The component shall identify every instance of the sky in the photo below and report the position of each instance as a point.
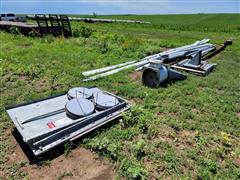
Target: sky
(119, 6)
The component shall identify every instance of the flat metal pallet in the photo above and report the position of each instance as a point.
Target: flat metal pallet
(44, 134)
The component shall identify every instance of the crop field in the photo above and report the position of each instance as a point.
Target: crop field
(187, 129)
(202, 22)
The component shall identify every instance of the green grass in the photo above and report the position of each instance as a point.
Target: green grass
(189, 129)
(202, 22)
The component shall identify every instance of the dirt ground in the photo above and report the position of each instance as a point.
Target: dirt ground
(136, 76)
(79, 164)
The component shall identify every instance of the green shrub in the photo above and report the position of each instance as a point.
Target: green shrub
(104, 47)
(133, 116)
(139, 149)
(32, 71)
(67, 148)
(132, 170)
(48, 39)
(83, 31)
(94, 15)
(106, 146)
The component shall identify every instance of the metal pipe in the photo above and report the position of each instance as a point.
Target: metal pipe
(101, 70)
(109, 73)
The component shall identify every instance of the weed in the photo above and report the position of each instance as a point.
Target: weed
(64, 175)
(171, 160)
(139, 149)
(104, 47)
(34, 71)
(67, 148)
(106, 147)
(83, 31)
(44, 162)
(132, 169)
(14, 172)
(15, 167)
(208, 168)
(48, 39)
(132, 117)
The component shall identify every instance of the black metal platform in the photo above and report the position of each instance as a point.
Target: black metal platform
(46, 24)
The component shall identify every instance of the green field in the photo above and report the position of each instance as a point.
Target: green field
(188, 129)
(202, 22)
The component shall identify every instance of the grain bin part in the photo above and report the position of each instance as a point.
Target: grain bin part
(60, 119)
(79, 92)
(156, 74)
(79, 107)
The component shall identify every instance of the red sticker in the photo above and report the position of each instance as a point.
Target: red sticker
(51, 125)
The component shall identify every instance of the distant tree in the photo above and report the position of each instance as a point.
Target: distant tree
(94, 15)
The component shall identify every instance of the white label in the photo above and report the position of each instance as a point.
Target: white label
(62, 122)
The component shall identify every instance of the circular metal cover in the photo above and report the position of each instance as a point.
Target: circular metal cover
(79, 92)
(80, 107)
(105, 101)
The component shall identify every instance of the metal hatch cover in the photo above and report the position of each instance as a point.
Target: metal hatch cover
(79, 92)
(105, 101)
(80, 107)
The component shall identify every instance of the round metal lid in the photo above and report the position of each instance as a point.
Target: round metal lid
(79, 92)
(105, 101)
(80, 107)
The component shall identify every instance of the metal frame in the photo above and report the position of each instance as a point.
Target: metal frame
(66, 26)
(42, 22)
(55, 25)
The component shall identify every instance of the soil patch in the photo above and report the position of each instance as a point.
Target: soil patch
(80, 164)
(238, 114)
(136, 76)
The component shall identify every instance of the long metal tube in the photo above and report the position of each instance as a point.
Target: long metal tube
(137, 64)
(101, 70)
(111, 72)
